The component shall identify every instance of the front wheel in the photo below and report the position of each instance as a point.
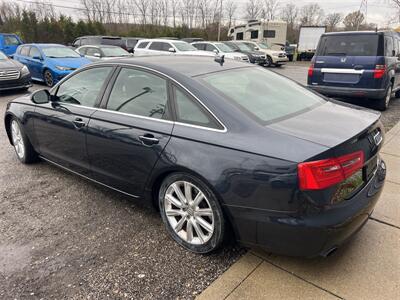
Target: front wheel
(268, 62)
(48, 78)
(383, 103)
(23, 148)
(191, 213)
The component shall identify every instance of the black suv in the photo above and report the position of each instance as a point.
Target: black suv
(357, 64)
(255, 57)
(99, 40)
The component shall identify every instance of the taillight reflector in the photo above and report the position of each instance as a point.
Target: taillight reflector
(379, 71)
(311, 70)
(321, 174)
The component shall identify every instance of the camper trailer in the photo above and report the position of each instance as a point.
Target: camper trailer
(269, 32)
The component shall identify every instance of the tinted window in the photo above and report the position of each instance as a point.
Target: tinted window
(11, 40)
(239, 36)
(160, 46)
(83, 50)
(112, 41)
(34, 52)
(262, 94)
(200, 46)
(25, 51)
(269, 33)
(139, 93)
(142, 45)
(190, 112)
(210, 47)
(389, 47)
(254, 34)
(84, 87)
(349, 45)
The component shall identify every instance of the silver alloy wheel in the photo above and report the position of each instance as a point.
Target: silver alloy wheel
(18, 141)
(48, 78)
(189, 213)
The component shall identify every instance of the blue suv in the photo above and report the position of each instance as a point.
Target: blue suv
(49, 62)
(357, 64)
(9, 43)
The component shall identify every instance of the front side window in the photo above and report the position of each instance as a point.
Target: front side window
(224, 48)
(25, 51)
(190, 112)
(11, 40)
(139, 93)
(183, 46)
(93, 52)
(159, 46)
(210, 48)
(83, 50)
(263, 95)
(35, 52)
(200, 46)
(83, 88)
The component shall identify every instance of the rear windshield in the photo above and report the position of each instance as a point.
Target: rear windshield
(263, 95)
(349, 45)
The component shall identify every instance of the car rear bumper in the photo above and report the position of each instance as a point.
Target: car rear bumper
(21, 83)
(308, 235)
(280, 60)
(349, 92)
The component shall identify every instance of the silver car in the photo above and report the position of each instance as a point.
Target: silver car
(102, 52)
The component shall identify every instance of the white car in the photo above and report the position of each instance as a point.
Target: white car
(274, 57)
(221, 49)
(102, 52)
(167, 47)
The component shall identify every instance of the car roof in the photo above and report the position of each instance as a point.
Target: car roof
(354, 32)
(99, 46)
(186, 65)
(44, 45)
(162, 40)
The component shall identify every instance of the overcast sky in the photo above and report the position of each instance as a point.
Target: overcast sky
(379, 11)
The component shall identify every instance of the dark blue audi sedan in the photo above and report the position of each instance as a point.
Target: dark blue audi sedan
(216, 146)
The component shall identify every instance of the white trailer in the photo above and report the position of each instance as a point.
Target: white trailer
(308, 41)
(269, 32)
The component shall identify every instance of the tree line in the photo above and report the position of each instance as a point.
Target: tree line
(37, 21)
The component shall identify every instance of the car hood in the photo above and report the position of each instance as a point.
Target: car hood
(70, 62)
(329, 124)
(10, 64)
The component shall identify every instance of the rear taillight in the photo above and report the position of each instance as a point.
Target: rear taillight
(318, 175)
(311, 70)
(379, 71)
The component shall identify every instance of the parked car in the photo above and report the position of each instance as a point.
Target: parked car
(49, 63)
(357, 64)
(214, 146)
(255, 57)
(13, 75)
(9, 43)
(191, 40)
(290, 50)
(95, 53)
(220, 49)
(273, 57)
(130, 43)
(99, 40)
(167, 47)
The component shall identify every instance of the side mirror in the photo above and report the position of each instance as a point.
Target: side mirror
(41, 97)
(97, 55)
(256, 48)
(171, 50)
(215, 51)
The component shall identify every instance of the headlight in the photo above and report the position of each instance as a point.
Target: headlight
(61, 68)
(24, 71)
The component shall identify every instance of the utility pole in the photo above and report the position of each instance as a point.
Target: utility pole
(219, 22)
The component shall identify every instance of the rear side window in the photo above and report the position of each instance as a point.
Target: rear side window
(140, 93)
(142, 45)
(263, 95)
(11, 40)
(210, 47)
(190, 112)
(349, 45)
(24, 51)
(160, 46)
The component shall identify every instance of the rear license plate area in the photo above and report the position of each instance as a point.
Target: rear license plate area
(341, 78)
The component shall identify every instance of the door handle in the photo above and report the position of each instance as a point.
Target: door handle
(148, 139)
(79, 123)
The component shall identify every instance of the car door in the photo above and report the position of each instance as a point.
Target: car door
(61, 125)
(35, 62)
(10, 44)
(127, 136)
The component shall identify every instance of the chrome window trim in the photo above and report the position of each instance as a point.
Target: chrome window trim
(341, 71)
(224, 130)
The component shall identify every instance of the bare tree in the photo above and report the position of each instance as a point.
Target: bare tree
(290, 14)
(174, 10)
(353, 20)
(143, 7)
(270, 9)
(230, 9)
(332, 20)
(253, 9)
(311, 15)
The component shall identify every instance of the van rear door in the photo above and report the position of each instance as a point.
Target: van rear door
(347, 60)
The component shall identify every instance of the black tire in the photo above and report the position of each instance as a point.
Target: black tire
(290, 57)
(268, 62)
(29, 154)
(383, 103)
(216, 238)
(48, 78)
(278, 65)
(397, 94)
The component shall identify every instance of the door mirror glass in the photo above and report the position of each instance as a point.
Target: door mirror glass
(171, 49)
(41, 97)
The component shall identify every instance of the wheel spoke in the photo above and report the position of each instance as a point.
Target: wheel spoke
(204, 212)
(203, 223)
(198, 231)
(179, 225)
(174, 201)
(188, 192)
(174, 212)
(179, 193)
(199, 197)
(189, 231)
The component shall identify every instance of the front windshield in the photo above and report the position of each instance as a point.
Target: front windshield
(263, 46)
(114, 52)
(183, 46)
(263, 95)
(224, 48)
(59, 52)
(3, 56)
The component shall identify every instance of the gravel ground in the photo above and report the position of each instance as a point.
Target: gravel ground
(64, 237)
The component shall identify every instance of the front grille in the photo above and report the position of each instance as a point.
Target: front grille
(282, 55)
(9, 74)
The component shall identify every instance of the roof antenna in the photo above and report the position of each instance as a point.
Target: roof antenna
(220, 59)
